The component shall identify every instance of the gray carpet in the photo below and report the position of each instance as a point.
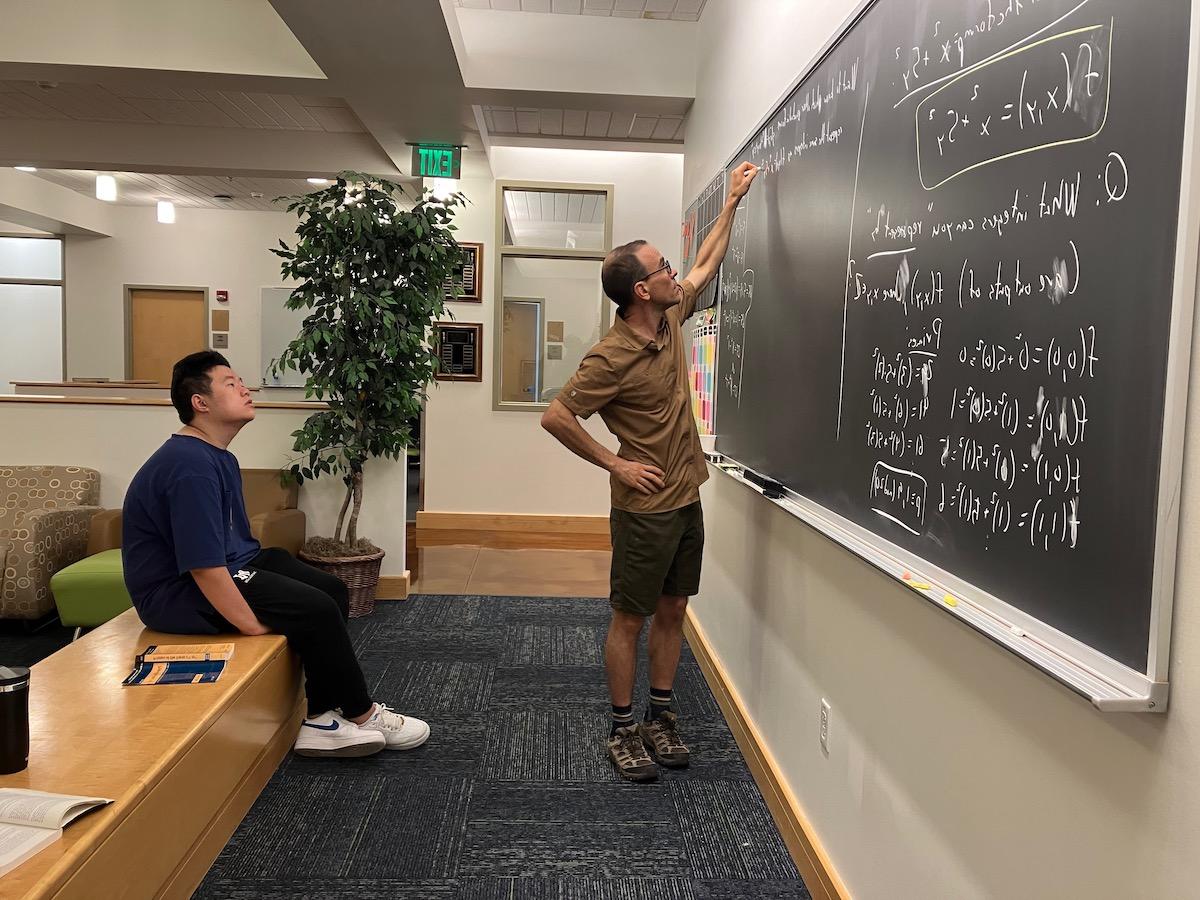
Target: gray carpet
(512, 797)
(21, 646)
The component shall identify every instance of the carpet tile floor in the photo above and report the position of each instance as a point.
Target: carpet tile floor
(512, 797)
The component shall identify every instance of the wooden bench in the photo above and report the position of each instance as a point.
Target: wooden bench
(183, 763)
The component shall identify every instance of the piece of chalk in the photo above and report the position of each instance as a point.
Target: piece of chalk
(918, 585)
(1019, 632)
(949, 601)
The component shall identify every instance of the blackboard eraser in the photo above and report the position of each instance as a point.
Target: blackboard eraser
(770, 488)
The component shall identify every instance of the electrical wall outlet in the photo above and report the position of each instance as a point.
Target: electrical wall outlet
(826, 710)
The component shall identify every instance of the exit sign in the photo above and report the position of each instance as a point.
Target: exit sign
(437, 161)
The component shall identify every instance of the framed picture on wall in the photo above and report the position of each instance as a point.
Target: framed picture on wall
(460, 351)
(466, 284)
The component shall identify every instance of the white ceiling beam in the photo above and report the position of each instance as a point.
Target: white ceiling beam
(554, 142)
(149, 81)
(188, 150)
(394, 63)
(232, 36)
(614, 103)
(36, 203)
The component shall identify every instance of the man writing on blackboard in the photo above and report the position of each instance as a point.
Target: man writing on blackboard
(637, 379)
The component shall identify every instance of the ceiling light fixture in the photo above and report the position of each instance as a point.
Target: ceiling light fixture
(25, 168)
(106, 188)
(166, 212)
(317, 180)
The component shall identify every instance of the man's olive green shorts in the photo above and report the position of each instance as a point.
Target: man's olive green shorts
(655, 554)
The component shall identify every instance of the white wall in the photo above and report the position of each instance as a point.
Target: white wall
(955, 770)
(116, 440)
(749, 55)
(212, 248)
(478, 460)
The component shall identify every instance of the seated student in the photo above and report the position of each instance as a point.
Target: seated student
(192, 567)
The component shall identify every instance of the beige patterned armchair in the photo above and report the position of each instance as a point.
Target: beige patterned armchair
(45, 512)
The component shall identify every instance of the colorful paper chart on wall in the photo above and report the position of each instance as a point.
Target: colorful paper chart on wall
(697, 223)
(704, 369)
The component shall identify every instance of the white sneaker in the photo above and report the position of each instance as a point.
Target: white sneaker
(330, 735)
(400, 732)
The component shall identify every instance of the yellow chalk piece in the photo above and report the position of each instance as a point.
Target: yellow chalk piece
(915, 585)
(949, 601)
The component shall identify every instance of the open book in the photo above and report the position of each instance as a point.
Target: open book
(33, 820)
(180, 664)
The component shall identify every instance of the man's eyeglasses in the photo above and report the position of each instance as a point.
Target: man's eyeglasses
(666, 265)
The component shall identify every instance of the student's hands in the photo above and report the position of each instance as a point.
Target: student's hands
(256, 627)
(645, 479)
(740, 178)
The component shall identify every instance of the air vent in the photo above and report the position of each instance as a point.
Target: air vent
(224, 198)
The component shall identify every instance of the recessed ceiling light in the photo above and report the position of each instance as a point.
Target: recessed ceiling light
(106, 188)
(317, 180)
(166, 212)
(25, 168)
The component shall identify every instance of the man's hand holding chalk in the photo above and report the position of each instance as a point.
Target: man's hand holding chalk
(740, 178)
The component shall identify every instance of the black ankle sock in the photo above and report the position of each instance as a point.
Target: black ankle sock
(622, 717)
(660, 702)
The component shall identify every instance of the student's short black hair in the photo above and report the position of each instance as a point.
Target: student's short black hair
(190, 376)
(621, 271)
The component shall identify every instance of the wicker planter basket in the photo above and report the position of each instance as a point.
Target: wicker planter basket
(360, 574)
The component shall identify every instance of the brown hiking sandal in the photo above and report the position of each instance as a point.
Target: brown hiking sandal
(661, 736)
(628, 754)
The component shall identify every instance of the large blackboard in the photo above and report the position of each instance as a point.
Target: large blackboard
(946, 310)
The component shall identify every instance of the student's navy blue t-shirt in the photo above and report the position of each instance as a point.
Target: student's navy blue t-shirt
(184, 510)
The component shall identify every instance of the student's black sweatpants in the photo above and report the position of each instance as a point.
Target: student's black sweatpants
(310, 608)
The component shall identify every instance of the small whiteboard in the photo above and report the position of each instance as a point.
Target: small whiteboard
(280, 326)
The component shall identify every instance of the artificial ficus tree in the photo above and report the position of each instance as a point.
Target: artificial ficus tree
(371, 274)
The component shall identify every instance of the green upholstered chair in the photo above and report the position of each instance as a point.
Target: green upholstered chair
(91, 591)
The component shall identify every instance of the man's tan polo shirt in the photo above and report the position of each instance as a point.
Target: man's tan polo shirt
(640, 388)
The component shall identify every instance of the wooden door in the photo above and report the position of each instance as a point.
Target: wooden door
(164, 327)
(520, 369)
